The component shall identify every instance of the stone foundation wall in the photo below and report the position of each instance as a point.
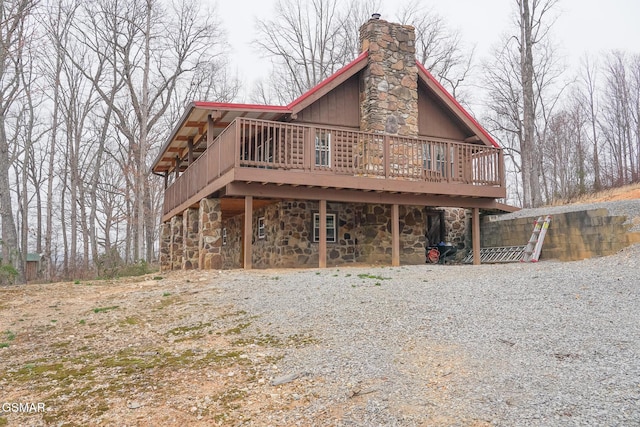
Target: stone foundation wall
(571, 236)
(165, 246)
(232, 250)
(458, 221)
(176, 247)
(190, 239)
(210, 243)
(363, 235)
(195, 239)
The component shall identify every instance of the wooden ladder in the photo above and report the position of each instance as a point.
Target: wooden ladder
(534, 246)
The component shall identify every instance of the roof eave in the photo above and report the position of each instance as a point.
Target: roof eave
(328, 84)
(190, 107)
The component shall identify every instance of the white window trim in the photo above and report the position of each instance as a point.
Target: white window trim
(331, 237)
(261, 230)
(224, 236)
(323, 148)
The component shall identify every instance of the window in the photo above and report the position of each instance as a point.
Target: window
(433, 158)
(224, 236)
(323, 148)
(331, 227)
(261, 228)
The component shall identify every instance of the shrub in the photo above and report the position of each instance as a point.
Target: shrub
(8, 275)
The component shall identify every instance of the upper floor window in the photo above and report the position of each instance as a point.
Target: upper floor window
(323, 148)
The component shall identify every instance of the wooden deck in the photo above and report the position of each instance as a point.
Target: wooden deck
(253, 152)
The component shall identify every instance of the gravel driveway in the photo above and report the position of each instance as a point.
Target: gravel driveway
(542, 344)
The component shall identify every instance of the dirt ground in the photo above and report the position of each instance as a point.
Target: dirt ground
(156, 350)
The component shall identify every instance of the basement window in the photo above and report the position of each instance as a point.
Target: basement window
(323, 148)
(331, 227)
(224, 236)
(261, 232)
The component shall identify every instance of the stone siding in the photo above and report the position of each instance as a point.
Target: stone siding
(190, 239)
(165, 246)
(363, 235)
(232, 249)
(176, 247)
(210, 243)
(389, 95)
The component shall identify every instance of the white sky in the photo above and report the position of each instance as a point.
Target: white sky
(591, 26)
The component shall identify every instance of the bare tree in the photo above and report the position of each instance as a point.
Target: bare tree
(13, 42)
(154, 51)
(438, 48)
(588, 98)
(305, 41)
(517, 79)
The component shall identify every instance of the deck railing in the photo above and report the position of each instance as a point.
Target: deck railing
(251, 143)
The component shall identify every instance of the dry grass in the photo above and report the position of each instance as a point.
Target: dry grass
(628, 192)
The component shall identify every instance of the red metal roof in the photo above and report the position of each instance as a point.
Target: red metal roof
(326, 82)
(271, 112)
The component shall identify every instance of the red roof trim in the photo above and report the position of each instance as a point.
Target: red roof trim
(329, 79)
(457, 104)
(240, 107)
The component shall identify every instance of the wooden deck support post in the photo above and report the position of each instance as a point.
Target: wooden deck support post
(475, 236)
(248, 231)
(322, 248)
(395, 235)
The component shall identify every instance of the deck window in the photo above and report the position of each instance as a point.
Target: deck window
(331, 227)
(323, 148)
(261, 232)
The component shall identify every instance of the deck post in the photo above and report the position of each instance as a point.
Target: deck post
(209, 234)
(475, 235)
(395, 235)
(190, 239)
(322, 248)
(248, 231)
(176, 247)
(165, 246)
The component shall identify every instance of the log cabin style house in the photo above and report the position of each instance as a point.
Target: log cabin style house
(355, 170)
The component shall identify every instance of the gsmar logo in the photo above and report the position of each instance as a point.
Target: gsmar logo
(24, 407)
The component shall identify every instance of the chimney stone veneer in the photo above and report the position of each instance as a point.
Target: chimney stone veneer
(389, 87)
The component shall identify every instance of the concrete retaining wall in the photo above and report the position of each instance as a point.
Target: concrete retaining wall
(571, 236)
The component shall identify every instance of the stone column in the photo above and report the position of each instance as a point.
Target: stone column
(176, 242)
(165, 246)
(389, 97)
(210, 240)
(190, 239)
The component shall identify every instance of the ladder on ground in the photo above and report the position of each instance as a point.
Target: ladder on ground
(526, 253)
(534, 246)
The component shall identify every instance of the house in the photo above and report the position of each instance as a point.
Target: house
(352, 171)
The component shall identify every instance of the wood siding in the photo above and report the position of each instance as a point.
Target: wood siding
(340, 107)
(435, 121)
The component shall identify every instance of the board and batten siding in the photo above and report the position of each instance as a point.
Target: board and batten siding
(340, 107)
(433, 119)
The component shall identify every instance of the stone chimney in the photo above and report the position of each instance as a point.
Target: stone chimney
(389, 88)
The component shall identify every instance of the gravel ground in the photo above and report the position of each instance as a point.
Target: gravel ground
(546, 344)
(628, 208)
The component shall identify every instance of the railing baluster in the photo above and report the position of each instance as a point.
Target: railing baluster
(259, 143)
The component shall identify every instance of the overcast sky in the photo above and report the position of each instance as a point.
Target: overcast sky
(583, 26)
